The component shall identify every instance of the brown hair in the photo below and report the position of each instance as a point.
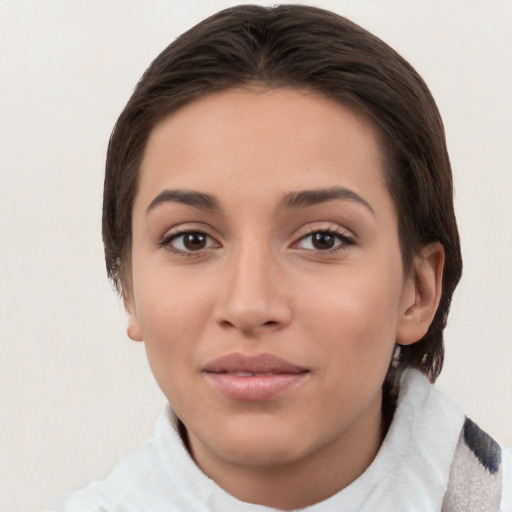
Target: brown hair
(307, 48)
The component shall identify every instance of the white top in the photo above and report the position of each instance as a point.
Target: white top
(410, 471)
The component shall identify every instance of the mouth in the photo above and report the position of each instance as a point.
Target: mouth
(254, 378)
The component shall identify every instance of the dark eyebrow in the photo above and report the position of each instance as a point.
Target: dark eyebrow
(189, 197)
(322, 195)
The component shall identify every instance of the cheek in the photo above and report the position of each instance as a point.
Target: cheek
(171, 304)
(354, 331)
(172, 313)
(355, 319)
(363, 300)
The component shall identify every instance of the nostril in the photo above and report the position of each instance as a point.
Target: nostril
(226, 324)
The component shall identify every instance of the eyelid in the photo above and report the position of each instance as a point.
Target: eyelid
(187, 227)
(173, 234)
(346, 237)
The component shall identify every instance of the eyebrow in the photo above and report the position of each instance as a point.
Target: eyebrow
(292, 200)
(188, 197)
(306, 198)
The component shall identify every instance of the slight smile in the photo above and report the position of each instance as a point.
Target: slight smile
(254, 378)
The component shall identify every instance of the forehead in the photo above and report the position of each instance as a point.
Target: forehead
(266, 140)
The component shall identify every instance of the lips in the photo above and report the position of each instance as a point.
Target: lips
(261, 363)
(253, 378)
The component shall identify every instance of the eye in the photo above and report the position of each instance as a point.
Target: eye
(324, 241)
(188, 241)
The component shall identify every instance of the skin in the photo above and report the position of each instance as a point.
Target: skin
(260, 285)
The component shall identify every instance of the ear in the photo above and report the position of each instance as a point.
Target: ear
(421, 295)
(133, 329)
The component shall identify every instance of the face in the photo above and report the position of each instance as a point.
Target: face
(268, 284)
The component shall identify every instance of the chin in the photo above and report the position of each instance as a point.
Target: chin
(263, 453)
(258, 442)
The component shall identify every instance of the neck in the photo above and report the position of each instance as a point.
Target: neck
(299, 483)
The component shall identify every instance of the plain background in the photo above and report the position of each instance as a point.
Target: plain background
(76, 393)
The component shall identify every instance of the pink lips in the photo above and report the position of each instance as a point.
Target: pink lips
(253, 378)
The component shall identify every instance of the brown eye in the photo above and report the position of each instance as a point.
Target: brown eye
(189, 241)
(324, 241)
(194, 241)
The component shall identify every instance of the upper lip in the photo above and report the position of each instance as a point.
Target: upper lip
(260, 363)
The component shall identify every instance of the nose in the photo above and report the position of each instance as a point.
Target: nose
(255, 298)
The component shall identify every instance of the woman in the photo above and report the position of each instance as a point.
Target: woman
(278, 217)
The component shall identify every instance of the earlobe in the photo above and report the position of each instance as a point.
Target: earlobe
(133, 329)
(422, 294)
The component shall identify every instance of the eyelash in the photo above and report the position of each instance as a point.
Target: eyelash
(343, 241)
(167, 240)
(341, 236)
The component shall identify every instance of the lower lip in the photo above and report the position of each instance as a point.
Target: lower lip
(255, 388)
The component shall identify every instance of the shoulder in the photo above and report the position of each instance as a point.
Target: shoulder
(478, 473)
(121, 485)
(470, 468)
(159, 476)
